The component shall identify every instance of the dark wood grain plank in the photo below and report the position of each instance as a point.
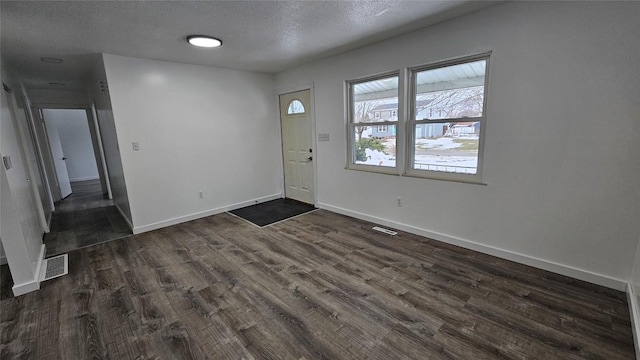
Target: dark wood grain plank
(318, 286)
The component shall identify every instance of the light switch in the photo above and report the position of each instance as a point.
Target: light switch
(323, 137)
(136, 146)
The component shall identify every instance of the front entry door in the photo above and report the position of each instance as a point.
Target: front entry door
(295, 116)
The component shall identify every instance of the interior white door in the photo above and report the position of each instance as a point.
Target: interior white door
(58, 159)
(295, 117)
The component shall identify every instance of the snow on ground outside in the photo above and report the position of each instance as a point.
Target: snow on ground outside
(442, 143)
(375, 157)
(449, 163)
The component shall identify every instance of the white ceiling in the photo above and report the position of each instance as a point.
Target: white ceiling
(264, 36)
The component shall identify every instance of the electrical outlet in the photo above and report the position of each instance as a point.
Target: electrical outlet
(200, 195)
(399, 201)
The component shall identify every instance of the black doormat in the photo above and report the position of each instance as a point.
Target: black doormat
(272, 211)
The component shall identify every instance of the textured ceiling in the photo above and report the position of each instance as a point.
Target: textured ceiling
(264, 36)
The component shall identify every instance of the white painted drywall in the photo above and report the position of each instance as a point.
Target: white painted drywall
(57, 98)
(561, 159)
(635, 274)
(73, 127)
(104, 113)
(199, 129)
(634, 300)
(20, 227)
(36, 160)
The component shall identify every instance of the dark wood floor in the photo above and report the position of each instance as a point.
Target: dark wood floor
(83, 219)
(319, 286)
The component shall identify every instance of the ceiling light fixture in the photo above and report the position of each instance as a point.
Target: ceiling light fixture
(204, 41)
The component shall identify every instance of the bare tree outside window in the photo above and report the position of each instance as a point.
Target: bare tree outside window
(448, 104)
(362, 113)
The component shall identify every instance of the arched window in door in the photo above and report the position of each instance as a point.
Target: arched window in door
(295, 107)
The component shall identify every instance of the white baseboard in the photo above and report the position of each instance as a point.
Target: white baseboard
(86, 178)
(33, 285)
(635, 317)
(181, 219)
(570, 271)
(124, 217)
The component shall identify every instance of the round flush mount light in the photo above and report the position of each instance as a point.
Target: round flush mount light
(204, 41)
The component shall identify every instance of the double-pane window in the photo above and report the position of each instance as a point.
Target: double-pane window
(441, 127)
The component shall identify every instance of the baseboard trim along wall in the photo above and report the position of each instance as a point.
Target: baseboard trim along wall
(635, 317)
(570, 271)
(126, 219)
(33, 285)
(181, 219)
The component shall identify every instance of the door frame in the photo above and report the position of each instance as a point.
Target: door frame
(37, 148)
(312, 114)
(96, 140)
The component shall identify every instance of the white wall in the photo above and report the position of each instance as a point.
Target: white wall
(634, 300)
(37, 160)
(635, 275)
(102, 101)
(73, 128)
(199, 129)
(20, 219)
(561, 154)
(54, 98)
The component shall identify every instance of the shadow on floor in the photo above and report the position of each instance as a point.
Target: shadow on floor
(84, 218)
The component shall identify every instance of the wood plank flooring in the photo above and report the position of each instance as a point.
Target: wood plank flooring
(83, 219)
(319, 286)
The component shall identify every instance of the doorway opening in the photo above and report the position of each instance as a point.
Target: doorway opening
(74, 161)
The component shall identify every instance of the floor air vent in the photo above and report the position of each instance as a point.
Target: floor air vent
(383, 230)
(56, 266)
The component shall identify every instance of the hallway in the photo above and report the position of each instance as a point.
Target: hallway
(83, 219)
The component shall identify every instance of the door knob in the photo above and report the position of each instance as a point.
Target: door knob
(64, 158)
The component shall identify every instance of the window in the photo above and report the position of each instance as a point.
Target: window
(372, 136)
(295, 107)
(446, 117)
(439, 122)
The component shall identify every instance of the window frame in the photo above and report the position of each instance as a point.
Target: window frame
(411, 122)
(351, 124)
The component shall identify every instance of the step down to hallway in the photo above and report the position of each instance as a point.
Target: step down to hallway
(55, 266)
